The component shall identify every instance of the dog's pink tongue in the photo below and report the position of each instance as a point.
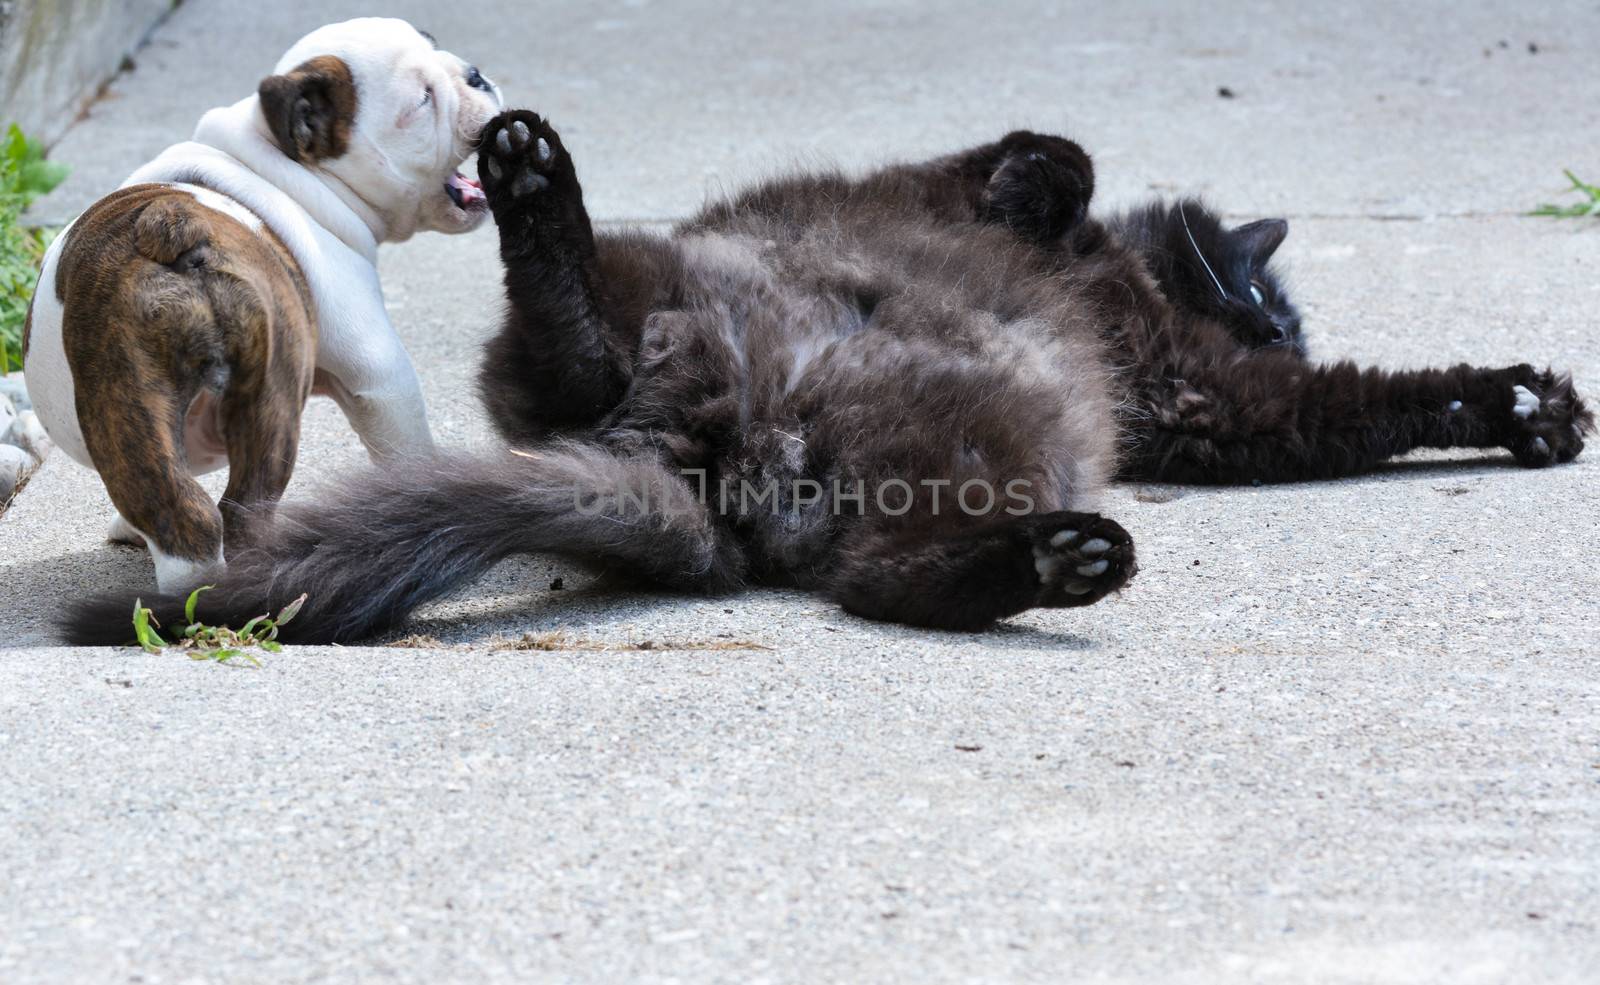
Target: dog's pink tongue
(471, 192)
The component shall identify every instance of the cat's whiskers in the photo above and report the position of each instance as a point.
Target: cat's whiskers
(1184, 215)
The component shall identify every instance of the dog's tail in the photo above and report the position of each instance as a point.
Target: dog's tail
(372, 549)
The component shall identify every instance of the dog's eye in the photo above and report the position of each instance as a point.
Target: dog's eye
(427, 96)
(1255, 292)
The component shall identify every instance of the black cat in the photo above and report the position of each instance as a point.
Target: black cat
(900, 390)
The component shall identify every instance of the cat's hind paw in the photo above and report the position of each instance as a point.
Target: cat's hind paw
(1547, 419)
(1080, 558)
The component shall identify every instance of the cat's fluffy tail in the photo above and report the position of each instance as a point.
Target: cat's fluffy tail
(372, 549)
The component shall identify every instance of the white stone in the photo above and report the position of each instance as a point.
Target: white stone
(8, 418)
(12, 386)
(14, 464)
(30, 434)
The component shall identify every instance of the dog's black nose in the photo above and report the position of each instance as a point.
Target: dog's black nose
(476, 80)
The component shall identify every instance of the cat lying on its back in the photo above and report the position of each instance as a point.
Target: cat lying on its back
(900, 390)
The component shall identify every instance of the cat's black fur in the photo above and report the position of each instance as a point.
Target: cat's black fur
(955, 322)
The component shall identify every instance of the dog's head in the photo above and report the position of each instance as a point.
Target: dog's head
(373, 104)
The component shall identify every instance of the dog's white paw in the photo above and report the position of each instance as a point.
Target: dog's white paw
(123, 532)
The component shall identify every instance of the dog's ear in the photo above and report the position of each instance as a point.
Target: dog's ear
(311, 109)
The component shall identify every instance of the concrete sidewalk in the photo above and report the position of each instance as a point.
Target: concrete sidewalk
(1333, 733)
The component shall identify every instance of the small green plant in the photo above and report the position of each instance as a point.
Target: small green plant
(1578, 209)
(218, 643)
(24, 176)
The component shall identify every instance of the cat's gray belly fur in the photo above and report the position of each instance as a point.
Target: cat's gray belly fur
(880, 365)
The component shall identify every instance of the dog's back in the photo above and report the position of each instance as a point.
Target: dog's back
(185, 331)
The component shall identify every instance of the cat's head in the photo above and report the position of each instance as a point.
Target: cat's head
(1222, 273)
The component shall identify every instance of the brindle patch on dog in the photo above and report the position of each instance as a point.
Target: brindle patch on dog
(175, 309)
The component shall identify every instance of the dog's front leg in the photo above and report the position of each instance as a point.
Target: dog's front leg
(381, 396)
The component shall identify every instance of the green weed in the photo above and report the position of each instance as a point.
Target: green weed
(218, 643)
(24, 176)
(1578, 209)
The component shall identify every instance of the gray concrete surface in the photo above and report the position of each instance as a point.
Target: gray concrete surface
(1343, 732)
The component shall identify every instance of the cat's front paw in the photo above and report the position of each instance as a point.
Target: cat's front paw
(1079, 558)
(1545, 418)
(1041, 189)
(519, 156)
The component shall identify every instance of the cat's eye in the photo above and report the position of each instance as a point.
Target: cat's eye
(1255, 292)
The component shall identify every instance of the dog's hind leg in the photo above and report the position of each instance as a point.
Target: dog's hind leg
(262, 432)
(156, 498)
(258, 414)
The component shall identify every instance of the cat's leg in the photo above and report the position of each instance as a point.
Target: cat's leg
(1034, 184)
(1041, 189)
(1037, 185)
(557, 362)
(955, 578)
(1270, 418)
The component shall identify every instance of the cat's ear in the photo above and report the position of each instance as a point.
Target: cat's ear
(1261, 239)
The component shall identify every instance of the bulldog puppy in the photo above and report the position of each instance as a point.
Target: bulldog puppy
(181, 322)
